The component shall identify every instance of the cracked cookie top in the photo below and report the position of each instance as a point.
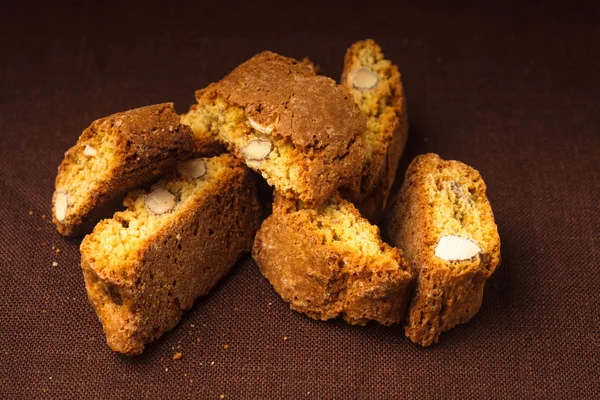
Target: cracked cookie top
(289, 100)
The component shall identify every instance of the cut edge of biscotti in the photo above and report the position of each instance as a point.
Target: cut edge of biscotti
(363, 255)
(463, 230)
(112, 249)
(92, 173)
(339, 225)
(376, 85)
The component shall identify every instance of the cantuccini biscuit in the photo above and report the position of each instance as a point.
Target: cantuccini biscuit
(148, 264)
(376, 86)
(112, 156)
(443, 222)
(329, 261)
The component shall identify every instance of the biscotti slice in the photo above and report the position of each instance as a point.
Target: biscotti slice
(148, 264)
(112, 156)
(299, 130)
(205, 143)
(377, 88)
(329, 261)
(443, 222)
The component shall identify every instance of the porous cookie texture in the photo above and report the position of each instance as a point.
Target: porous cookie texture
(112, 156)
(443, 222)
(149, 263)
(376, 86)
(301, 131)
(205, 141)
(329, 261)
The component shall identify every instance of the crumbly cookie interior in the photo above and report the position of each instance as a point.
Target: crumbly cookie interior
(338, 225)
(198, 122)
(458, 207)
(376, 102)
(85, 173)
(280, 167)
(116, 241)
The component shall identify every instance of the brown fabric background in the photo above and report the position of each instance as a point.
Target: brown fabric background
(511, 89)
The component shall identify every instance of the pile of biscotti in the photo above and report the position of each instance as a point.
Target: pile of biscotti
(330, 151)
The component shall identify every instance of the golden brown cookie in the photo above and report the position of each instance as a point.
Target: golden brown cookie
(112, 156)
(443, 222)
(329, 261)
(148, 264)
(300, 131)
(377, 88)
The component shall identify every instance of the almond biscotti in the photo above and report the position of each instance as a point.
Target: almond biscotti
(329, 261)
(148, 264)
(443, 222)
(301, 131)
(376, 85)
(112, 156)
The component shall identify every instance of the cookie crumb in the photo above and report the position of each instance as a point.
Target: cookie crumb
(54, 264)
(177, 356)
(226, 346)
(166, 369)
(198, 340)
(212, 363)
(44, 217)
(192, 326)
(222, 396)
(57, 251)
(285, 338)
(30, 212)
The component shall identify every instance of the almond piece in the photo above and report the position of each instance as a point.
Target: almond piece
(61, 203)
(195, 168)
(261, 128)
(160, 201)
(363, 78)
(456, 248)
(89, 151)
(257, 150)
